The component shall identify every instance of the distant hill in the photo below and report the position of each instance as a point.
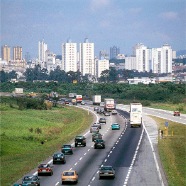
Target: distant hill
(180, 52)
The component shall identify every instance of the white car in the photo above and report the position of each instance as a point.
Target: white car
(94, 129)
(114, 112)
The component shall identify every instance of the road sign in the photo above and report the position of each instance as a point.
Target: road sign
(166, 124)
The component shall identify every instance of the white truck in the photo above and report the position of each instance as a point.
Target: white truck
(96, 99)
(109, 104)
(135, 114)
(78, 98)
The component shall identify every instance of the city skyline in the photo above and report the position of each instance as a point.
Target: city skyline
(105, 22)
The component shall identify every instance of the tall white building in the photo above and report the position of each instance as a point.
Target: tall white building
(142, 58)
(159, 60)
(42, 48)
(162, 59)
(101, 65)
(86, 58)
(69, 56)
(130, 63)
(50, 60)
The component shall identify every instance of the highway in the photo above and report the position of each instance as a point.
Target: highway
(123, 150)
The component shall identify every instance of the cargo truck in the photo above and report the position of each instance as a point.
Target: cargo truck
(78, 98)
(109, 104)
(96, 99)
(135, 114)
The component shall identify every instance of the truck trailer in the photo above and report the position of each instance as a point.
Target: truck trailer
(78, 98)
(135, 114)
(96, 99)
(109, 104)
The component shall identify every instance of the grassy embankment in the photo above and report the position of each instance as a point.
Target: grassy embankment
(23, 131)
(172, 150)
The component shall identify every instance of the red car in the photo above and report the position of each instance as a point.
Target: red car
(176, 113)
(44, 169)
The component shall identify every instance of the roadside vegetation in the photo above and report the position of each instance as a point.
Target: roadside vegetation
(172, 151)
(29, 136)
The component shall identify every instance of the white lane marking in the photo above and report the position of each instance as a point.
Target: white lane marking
(70, 169)
(35, 173)
(75, 163)
(57, 183)
(88, 149)
(50, 161)
(93, 178)
(133, 160)
(80, 158)
(155, 159)
(85, 153)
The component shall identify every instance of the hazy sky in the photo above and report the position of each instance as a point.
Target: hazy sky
(106, 23)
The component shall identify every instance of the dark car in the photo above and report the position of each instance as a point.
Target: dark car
(96, 136)
(102, 120)
(96, 108)
(67, 149)
(45, 169)
(59, 158)
(80, 140)
(97, 125)
(106, 171)
(99, 144)
(31, 180)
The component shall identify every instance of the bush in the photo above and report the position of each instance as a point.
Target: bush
(146, 103)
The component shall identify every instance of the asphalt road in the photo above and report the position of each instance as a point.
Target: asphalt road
(126, 150)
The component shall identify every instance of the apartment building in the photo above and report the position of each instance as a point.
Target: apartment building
(17, 53)
(86, 58)
(5, 53)
(42, 48)
(69, 56)
(101, 65)
(159, 60)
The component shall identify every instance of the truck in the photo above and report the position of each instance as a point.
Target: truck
(72, 95)
(135, 114)
(96, 99)
(74, 101)
(109, 104)
(78, 98)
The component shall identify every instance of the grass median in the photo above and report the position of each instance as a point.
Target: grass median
(172, 150)
(28, 137)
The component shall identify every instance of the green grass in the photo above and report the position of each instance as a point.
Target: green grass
(23, 131)
(172, 150)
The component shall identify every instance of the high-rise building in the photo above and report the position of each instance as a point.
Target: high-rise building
(142, 58)
(130, 63)
(159, 60)
(86, 58)
(69, 56)
(42, 48)
(17, 53)
(162, 59)
(101, 65)
(114, 51)
(5, 53)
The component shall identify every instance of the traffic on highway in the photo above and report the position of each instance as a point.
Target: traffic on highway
(103, 155)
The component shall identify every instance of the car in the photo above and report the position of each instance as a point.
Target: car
(114, 112)
(69, 176)
(176, 113)
(80, 140)
(107, 113)
(106, 171)
(96, 108)
(97, 125)
(115, 126)
(31, 180)
(67, 102)
(99, 144)
(96, 136)
(82, 103)
(94, 129)
(59, 157)
(44, 169)
(102, 120)
(99, 111)
(67, 149)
